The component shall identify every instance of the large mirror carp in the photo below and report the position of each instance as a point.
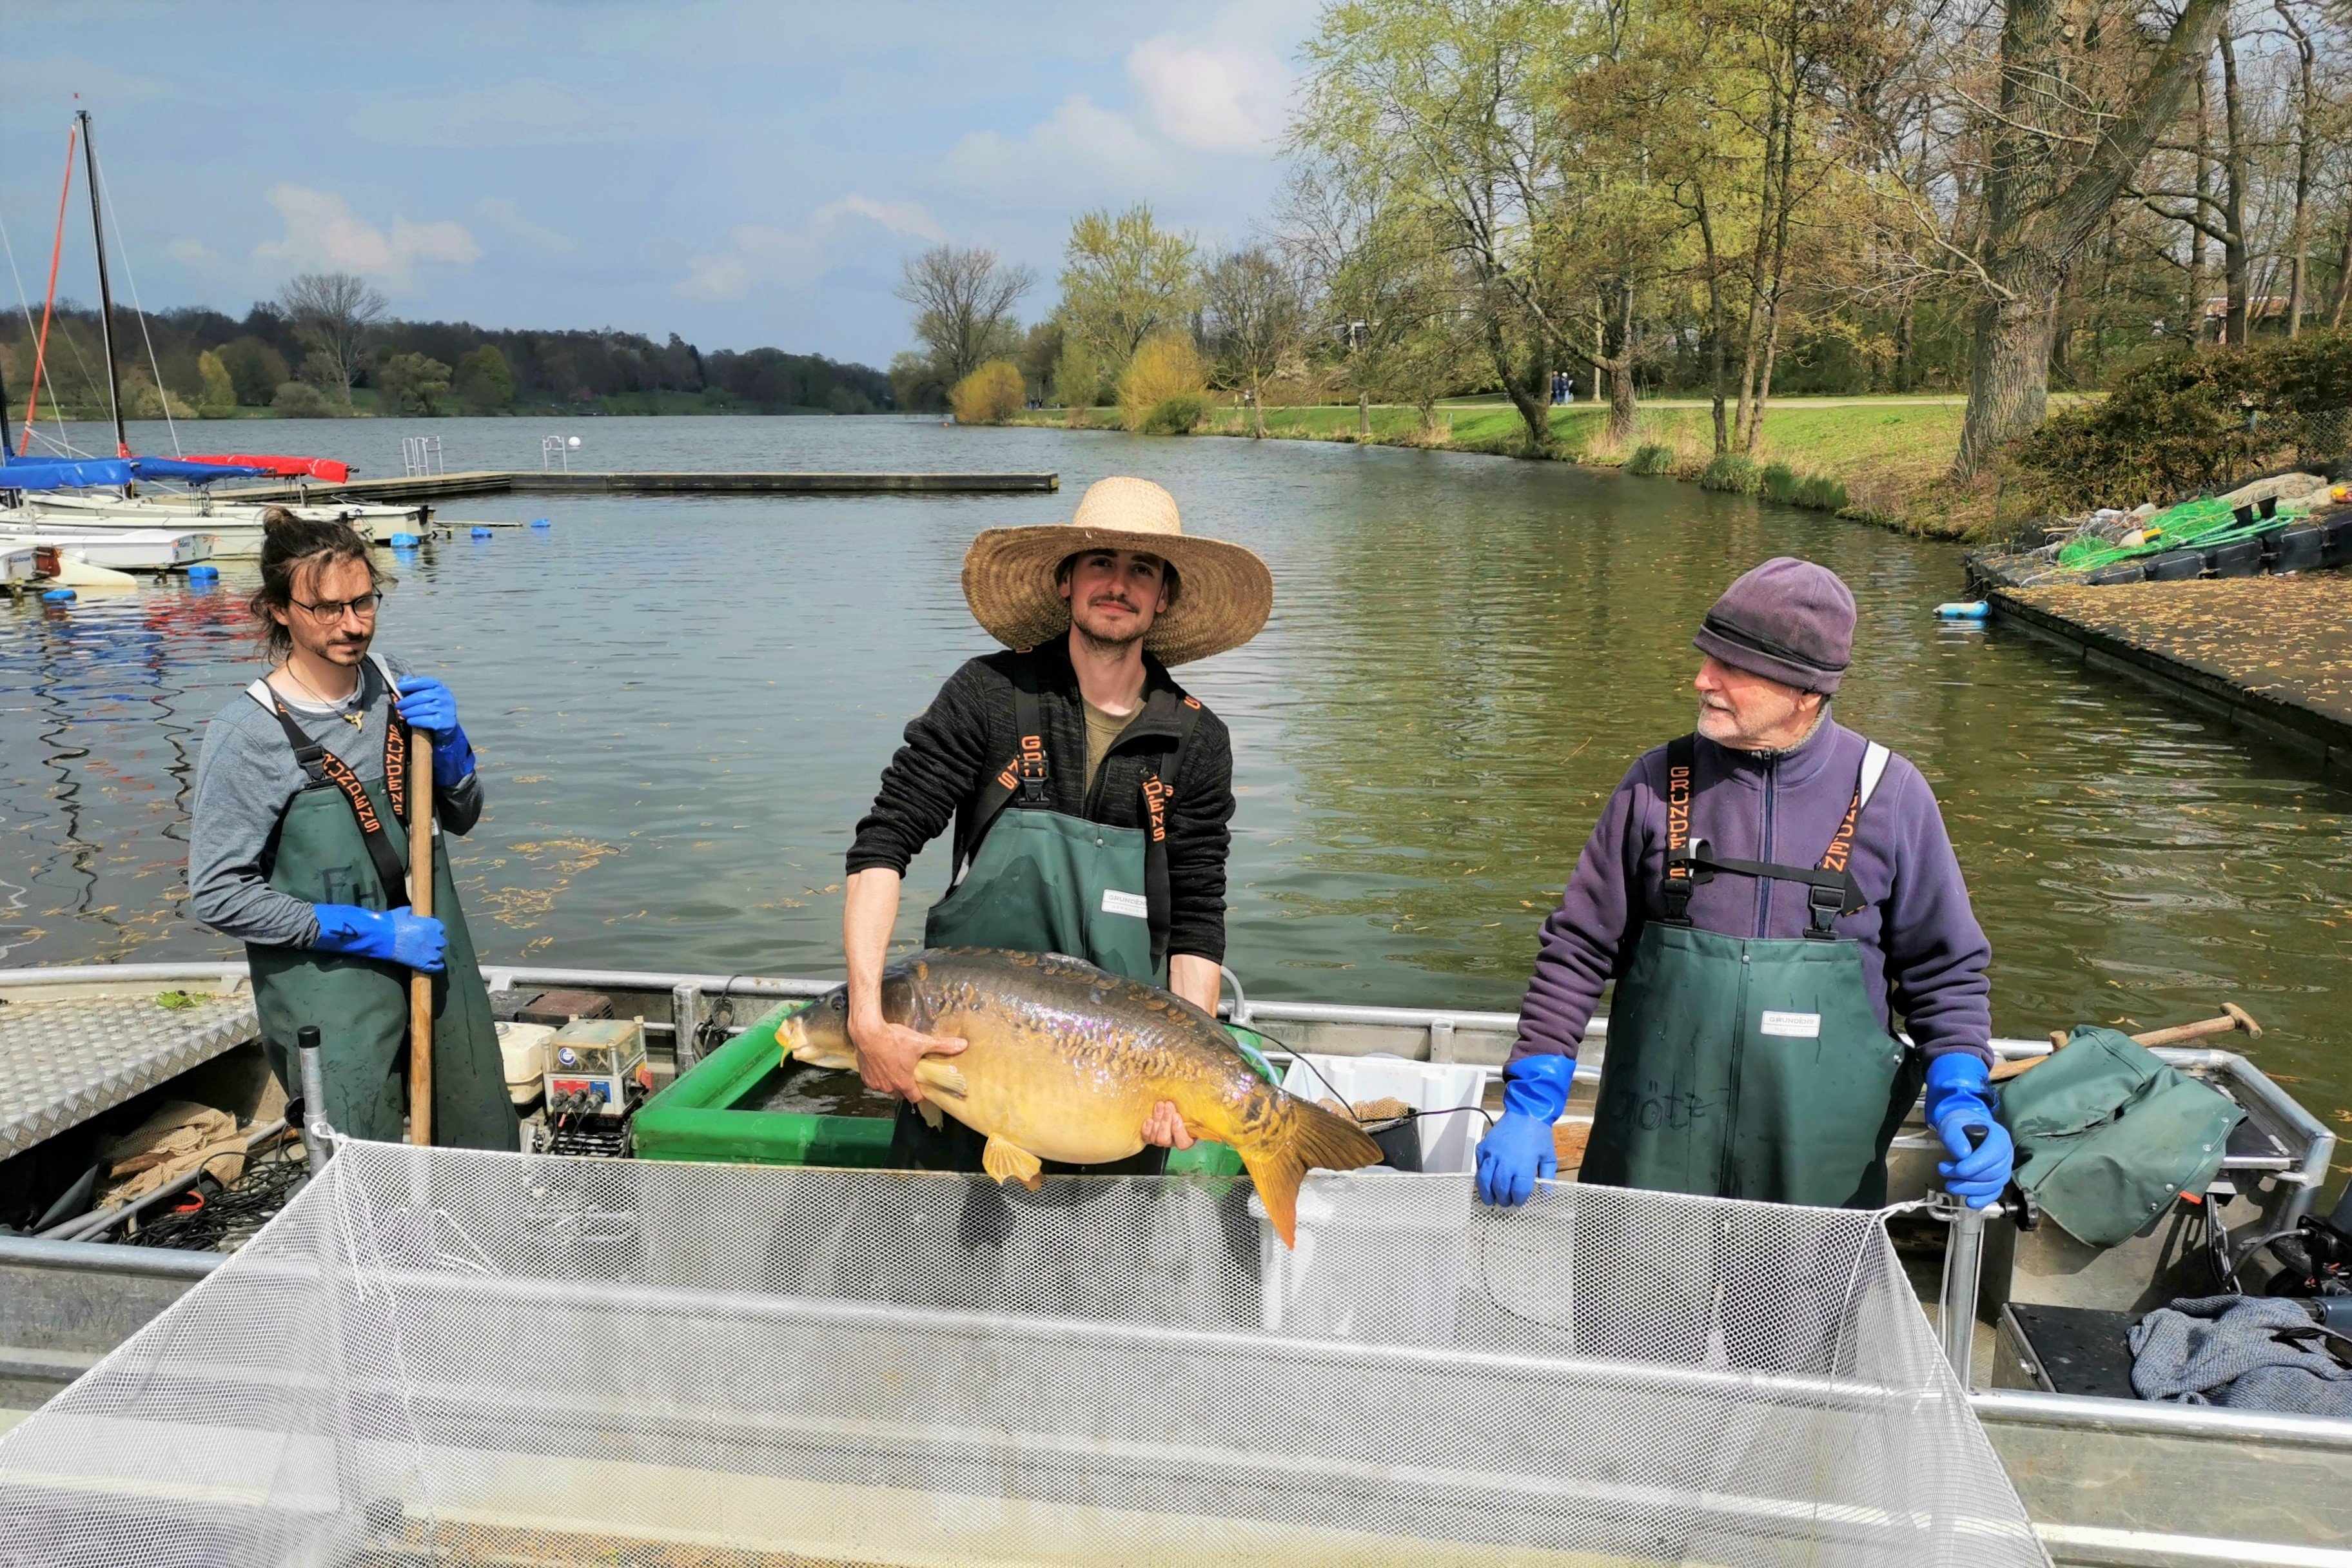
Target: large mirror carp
(1064, 1061)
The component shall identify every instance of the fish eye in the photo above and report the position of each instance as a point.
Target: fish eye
(839, 1001)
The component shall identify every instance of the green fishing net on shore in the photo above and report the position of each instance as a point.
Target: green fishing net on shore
(2196, 524)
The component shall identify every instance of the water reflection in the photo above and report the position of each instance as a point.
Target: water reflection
(682, 706)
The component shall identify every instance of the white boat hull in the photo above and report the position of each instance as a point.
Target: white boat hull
(118, 549)
(236, 529)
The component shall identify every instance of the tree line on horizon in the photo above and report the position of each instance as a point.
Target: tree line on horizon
(328, 346)
(1729, 198)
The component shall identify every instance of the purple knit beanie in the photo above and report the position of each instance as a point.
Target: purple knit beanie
(1788, 620)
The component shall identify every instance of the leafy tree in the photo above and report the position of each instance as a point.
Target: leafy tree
(1166, 367)
(219, 396)
(914, 383)
(963, 303)
(300, 400)
(1124, 279)
(415, 384)
(1255, 321)
(482, 382)
(254, 369)
(1449, 111)
(333, 314)
(1079, 379)
(989, 396)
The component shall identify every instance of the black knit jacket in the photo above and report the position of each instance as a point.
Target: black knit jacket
(969, 732)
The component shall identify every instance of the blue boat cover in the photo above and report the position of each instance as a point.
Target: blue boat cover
(84, 473)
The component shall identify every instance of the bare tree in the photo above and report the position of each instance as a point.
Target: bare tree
(2057, 156)
(963, 303)
(333, 312)
(1255, 323)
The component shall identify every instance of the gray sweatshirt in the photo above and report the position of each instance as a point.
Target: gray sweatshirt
(245, 779)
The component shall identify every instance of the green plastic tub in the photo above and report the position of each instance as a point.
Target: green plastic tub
(704, 1116)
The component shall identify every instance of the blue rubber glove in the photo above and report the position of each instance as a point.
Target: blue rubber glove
(1518, 1152)
(395, 936)
(1959, 1096)
(431, 707)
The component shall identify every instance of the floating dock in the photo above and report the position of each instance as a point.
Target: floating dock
(2273, 655)
(773, 482)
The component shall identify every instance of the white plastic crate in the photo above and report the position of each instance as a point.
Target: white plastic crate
(1448, 1144)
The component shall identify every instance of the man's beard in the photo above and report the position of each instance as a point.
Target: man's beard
(1096, 642)
(1107, 645)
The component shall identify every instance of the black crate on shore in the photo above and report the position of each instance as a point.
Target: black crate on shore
(2297, 550)
(2239, 558)
(2120, 572)
(2177, 566)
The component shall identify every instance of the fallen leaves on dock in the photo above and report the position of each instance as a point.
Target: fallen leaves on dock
(2286, 637)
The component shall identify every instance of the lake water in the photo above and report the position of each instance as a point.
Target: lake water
(681, 706)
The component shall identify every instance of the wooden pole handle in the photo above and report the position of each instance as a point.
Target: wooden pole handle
(420, 902)
(2233, 1018)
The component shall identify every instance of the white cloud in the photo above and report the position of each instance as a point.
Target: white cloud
(501, 214)
(762, 255)
(1218, 97)
(199, 258)
(1082, 149)
(322, 233)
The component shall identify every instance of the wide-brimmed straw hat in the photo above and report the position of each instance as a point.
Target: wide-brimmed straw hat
(1223, 597)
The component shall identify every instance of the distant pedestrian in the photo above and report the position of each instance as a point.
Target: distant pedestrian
(1568, 389)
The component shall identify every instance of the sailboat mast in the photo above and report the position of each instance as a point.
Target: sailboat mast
(105, 290)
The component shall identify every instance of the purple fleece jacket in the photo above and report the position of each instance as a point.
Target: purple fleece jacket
(1921, 949)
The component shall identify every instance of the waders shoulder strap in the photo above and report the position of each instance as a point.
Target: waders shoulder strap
(1025, 776)
(1159, 894)
(321, 765)
(1831, 889)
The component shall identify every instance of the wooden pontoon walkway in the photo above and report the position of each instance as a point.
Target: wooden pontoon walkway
(488, 481)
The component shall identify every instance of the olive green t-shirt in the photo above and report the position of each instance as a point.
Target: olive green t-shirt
(1103, 731)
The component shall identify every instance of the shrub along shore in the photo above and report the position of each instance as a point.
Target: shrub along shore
(1878, 461)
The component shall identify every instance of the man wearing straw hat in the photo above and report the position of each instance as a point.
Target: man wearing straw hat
(1089, 793)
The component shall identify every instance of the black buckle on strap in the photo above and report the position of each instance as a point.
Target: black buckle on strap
(1825, 905)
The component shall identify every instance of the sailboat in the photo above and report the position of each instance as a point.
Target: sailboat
(39, 487)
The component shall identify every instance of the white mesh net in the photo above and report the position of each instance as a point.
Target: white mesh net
(439, 1356)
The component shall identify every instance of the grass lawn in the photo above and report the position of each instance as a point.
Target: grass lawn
(1891, 455)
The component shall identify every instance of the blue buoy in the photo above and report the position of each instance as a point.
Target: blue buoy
(58, 596)
(1973, 610)
(201, 573)
(481, 533)
(404, 542)
(540, 522)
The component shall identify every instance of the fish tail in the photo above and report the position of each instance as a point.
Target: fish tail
(1300, 1137)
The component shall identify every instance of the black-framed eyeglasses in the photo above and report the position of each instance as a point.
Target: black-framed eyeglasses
(331, 610)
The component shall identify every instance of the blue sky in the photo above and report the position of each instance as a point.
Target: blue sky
(739, 174)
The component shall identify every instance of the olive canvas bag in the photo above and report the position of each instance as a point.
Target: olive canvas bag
(2109, 1136)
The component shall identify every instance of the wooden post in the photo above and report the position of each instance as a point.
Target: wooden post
(420, 902)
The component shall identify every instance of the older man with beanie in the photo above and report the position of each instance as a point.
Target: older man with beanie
(1766, 894)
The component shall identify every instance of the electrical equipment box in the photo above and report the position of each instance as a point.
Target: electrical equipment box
(596, 1065)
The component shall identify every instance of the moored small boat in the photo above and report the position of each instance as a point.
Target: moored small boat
(116, 549)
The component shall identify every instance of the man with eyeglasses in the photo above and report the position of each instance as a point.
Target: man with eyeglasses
(297, 848)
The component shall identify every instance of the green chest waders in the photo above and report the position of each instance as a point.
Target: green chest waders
(338, 842)
(1034, 879)
(1751, 1067)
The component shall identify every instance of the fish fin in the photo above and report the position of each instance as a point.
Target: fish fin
(1010, 1163)
(832, 1056)
(1312, 1139)
(931, 1114)
(945, 1077)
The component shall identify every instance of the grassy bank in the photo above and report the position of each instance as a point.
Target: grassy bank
(1881, 462)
